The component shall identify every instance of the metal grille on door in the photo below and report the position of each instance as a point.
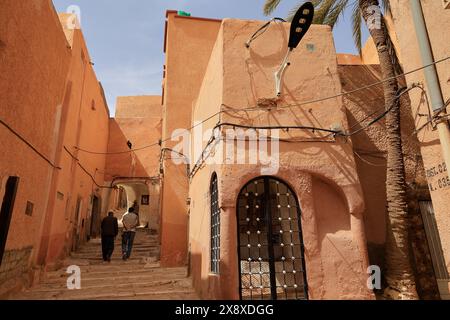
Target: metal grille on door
(270, 242)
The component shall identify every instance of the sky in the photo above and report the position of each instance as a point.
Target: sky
(125, 37)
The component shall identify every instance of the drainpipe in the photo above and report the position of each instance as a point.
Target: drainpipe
(431, 76)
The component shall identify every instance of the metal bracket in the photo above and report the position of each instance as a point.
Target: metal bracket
(280, 73)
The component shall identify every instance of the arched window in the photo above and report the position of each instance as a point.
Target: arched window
(215, 225)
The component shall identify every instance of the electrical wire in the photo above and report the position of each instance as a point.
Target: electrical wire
(381, 116)
(121, 152)
(262, 30)
(40, 154)
(287, 128)
(174, 151)
(435, 117)
(85, 170)
(182, 156)
(201, 160)
(160, 142)
(367, 161)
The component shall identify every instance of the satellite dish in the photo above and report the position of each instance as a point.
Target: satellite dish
(299, 27)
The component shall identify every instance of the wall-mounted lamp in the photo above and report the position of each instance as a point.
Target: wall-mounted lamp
(299, 26)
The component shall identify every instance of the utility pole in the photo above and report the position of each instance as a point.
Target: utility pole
(432, 79)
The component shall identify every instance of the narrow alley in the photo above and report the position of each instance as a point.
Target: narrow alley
(254, 158)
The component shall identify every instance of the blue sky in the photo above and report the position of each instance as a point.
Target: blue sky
(125, 37)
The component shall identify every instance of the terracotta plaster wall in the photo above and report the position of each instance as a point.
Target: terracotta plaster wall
(323, 175)
(334, 245)
(189, 42)
(85, 116)
(138, 107)
(437, 22)
(138, 120)
(92, 123)
(34, 61)
(207, 284)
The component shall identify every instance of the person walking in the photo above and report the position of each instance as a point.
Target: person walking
(110, 230)
(130, 221)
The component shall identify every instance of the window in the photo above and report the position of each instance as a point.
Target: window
(215, 226)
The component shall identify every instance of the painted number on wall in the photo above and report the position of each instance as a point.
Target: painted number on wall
(438, 177)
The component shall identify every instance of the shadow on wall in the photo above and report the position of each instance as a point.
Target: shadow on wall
(332, 215)
(125, 164)
(371, 165)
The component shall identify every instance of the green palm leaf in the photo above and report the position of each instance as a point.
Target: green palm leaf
(270, 6)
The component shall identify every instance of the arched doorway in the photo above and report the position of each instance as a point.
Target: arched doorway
(142, 194)
(271, 257)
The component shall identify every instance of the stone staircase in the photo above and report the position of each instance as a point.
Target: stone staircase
(138, 278)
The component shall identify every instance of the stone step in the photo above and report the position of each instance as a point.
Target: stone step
(149, 294)
(99, 261)
(116, 254)
(113, 284)
(139, 278)
(138, 258)
(138, 236)
(119, 246)
(119, 242)
(184, 295)
(117, 250)
(121, 277)
(116, 272)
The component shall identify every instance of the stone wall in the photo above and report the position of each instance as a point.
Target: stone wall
(13, 268)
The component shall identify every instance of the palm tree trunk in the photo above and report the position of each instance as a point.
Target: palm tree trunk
(399, 272)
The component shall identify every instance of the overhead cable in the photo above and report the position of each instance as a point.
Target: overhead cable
(40, 154)
(279, 107)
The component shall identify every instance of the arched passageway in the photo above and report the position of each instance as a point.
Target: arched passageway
(143, 196)
(270, 242)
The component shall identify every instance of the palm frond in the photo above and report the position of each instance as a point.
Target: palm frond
(322, 8)
(270, 6)
(356, 27)
(293, 11)
(336, 12)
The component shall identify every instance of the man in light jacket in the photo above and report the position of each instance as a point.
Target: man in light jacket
(130, 221)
